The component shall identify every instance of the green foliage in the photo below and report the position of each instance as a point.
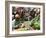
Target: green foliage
(36, 23)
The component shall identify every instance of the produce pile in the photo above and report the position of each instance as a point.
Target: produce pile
(26, 19)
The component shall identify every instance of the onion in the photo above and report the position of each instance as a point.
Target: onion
(17, 16)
